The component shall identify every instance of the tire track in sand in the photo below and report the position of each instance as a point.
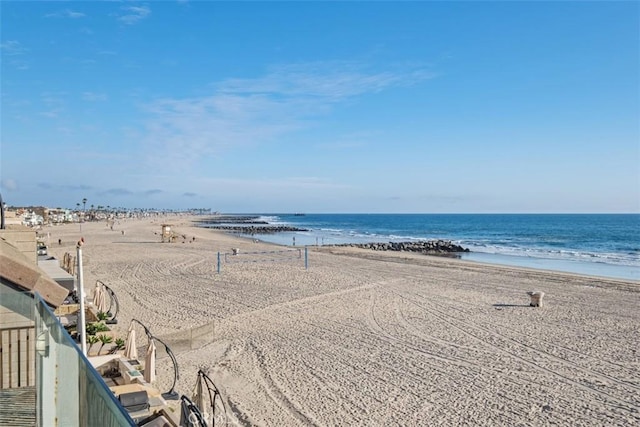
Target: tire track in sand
(275, 392)
(467, 329)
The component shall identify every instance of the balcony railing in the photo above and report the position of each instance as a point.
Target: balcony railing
(17, 357)
(69, 391)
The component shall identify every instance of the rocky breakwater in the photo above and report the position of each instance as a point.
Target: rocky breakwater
(430, 247)
(266, 229)
(230, 219)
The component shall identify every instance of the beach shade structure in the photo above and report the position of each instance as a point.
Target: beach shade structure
(130, 349)
(201, 399)
(171, 394)
(114, 306)
(190, 414)
(208, 399)
(150, 362)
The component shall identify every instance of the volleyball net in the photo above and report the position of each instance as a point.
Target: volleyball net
(289, 256)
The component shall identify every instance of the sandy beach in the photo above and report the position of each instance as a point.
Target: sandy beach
(371, 339)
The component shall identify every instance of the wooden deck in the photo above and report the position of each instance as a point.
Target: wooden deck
(18, 408)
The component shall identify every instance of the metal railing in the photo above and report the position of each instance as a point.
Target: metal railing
(69, 391)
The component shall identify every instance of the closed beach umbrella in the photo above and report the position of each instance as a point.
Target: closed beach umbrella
(150, 363)
(130, 350)
(200, 398)
(101, 304)
(190, 414)
(96, 293)
(98, 297)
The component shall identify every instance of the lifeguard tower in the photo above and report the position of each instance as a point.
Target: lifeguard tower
(167, 234)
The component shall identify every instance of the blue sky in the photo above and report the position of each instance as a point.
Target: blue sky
(322, 106)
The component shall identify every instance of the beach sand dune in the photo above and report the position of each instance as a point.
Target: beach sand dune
(371, 339)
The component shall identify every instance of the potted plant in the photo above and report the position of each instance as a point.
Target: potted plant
(91, 340)
(119, 345)
(104, 339)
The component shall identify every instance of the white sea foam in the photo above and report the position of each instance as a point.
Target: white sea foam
(271, 219)
(547, 253)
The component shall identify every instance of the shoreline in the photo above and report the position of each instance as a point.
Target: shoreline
(371, 338)
(592, 269)
(418, 259)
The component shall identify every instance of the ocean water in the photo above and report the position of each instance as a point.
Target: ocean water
(605, 245)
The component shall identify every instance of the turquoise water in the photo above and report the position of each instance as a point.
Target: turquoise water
(595, 244)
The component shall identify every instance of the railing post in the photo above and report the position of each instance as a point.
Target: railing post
(306, 258)
(218, 262)
(81, 320)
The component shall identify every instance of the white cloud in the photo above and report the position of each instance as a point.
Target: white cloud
(9, 184)
(19, 64)
(67, 13)
(242, 112)
(94, 97)
(328, 80)
(13, 47)
(192, 128)
(52, 114)
(134, 14)
(65, 130)
(290, 185)
(15, 50)
(54, 103)
(348, 141)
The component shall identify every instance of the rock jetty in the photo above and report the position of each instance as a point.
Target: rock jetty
(430, 247)
(231, 219)
(244, 225)
(266, 229)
